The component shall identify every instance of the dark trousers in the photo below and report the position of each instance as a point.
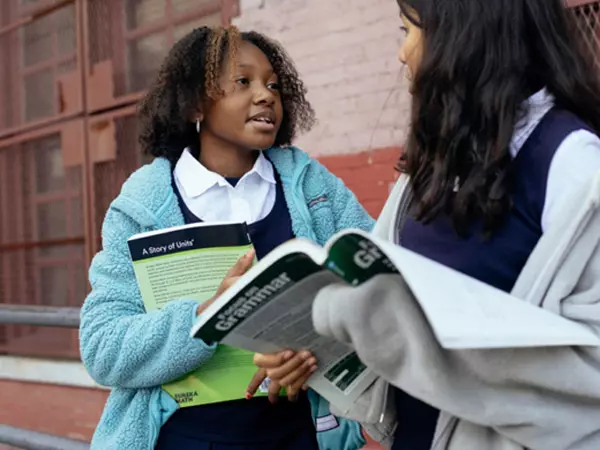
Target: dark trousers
(304, 441)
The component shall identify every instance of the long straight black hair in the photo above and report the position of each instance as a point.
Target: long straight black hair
(481, 60)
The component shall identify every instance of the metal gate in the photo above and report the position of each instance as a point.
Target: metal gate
(71, 72)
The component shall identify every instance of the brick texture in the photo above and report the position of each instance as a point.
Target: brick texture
(370, 175)
(63, 411)
(346, 52)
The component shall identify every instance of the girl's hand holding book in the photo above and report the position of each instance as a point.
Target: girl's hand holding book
(240, 268)
(285, 369)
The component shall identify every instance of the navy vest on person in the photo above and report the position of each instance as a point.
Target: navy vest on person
(266, 234)
(254, 421)
(496, 261)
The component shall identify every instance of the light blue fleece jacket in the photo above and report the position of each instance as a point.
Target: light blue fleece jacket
(135, 352)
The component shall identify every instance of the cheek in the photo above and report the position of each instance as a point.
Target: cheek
(226, 114)
(279, 108)
(413, 55)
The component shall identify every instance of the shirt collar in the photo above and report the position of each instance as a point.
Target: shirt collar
(195, 179)
(538, 106)
(263, 168)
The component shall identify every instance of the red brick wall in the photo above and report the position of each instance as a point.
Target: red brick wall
(369, 175)
(64, 411)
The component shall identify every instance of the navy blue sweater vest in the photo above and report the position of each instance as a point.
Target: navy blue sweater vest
(255, 421)
(497, 260)
(266, 234)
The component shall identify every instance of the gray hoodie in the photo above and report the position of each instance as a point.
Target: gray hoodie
(506, 399)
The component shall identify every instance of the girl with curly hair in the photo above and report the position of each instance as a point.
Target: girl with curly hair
(219, 120)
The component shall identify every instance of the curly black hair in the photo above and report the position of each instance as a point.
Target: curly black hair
(190, 74)
(481, 60)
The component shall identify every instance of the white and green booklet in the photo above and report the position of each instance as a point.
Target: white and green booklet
(190, 262)
(270, 308)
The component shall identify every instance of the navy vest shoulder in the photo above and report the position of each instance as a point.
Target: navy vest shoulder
(266, 234)
(496, 261)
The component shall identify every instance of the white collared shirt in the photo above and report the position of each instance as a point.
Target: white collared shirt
(575, 161)
(211, 198)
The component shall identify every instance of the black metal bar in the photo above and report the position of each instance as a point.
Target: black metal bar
(39, 315)
(33, 440)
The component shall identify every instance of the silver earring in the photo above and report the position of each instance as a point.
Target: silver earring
(198, 125)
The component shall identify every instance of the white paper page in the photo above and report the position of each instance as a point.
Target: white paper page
(465, 313)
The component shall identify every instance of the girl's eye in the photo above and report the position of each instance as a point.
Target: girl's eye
(274, 86)
(243, 81)
(404, 30)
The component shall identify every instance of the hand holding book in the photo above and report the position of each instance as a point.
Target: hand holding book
(285, 369)
(195, 261)
(293, 373)
(240, 268)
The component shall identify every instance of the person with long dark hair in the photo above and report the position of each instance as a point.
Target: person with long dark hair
(500, 182)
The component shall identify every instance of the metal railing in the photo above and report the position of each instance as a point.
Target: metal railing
(32, 440)
(38, 316)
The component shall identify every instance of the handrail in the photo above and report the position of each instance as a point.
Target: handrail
(40, 316)
(49, 316)
(33, 440)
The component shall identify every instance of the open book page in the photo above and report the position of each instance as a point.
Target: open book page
(465, 313)
(189, 262)
(273, 312)
(296, 246)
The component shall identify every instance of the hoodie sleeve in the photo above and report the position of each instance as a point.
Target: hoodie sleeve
(121, 345)
(540, 398)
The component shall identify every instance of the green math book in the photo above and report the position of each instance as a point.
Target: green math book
(189, 262)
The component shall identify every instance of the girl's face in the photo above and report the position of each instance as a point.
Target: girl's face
(249, 115)
(411, 50)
